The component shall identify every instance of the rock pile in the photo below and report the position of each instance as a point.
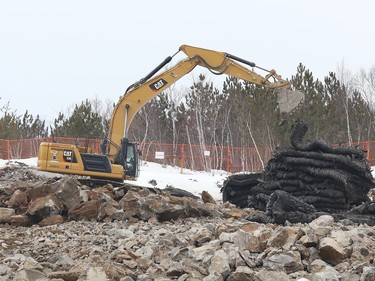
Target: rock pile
(54, 201)
(62, 230)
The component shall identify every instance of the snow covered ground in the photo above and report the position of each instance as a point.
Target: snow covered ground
(192, 181)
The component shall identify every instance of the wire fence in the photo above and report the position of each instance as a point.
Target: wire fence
(195, 157)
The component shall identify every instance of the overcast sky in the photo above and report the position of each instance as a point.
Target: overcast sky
(55, 54)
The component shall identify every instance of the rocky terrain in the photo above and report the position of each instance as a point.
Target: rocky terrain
(61, 229)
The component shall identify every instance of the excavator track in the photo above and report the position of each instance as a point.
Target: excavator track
(93, 183)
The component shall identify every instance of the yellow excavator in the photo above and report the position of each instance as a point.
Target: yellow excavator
(120, 158)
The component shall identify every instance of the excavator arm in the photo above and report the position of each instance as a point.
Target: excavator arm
(141, 92)
(224, 63)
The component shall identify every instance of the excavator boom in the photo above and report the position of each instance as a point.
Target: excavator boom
(141, 92)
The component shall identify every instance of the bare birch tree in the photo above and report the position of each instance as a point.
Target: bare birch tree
(364, 82)
(175, 98)
(346, 79)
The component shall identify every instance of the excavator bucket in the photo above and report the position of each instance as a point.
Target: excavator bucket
(289, 101)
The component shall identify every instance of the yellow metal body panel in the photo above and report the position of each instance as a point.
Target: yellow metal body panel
(66, 159)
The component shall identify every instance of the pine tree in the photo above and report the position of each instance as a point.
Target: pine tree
(9, 123)
(59, 126)
(38, 128)
(314, 111)
(32, 128)
(9, 126)
(361, 118)
(337, 111)
(84, 122)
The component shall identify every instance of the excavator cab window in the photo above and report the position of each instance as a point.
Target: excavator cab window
(131, 160)
(128, 158)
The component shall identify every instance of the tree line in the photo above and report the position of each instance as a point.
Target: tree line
(339, 109)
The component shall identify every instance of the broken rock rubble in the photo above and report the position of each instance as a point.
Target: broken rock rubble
(62, 230)
(188, 249)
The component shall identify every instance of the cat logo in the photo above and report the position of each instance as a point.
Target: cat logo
(158, 85)
(68, 155)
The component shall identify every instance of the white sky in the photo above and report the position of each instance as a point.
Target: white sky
(55, 54)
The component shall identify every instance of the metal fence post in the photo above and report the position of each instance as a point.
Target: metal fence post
(182, 161)
(228, 159)
(97, 146)
(8, 149)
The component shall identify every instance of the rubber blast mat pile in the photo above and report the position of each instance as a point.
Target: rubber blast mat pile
(305, 180)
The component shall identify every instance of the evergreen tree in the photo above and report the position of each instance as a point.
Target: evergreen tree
(361, 117)
(84, 122)
(264, 112)
(163, 108)
(30, 128)
(314, 111)
(338, 119)
(239, 105)
(9, 126)
(59, 126)
(9, 123)
(254, 111)
(25, 126)
(38, 128)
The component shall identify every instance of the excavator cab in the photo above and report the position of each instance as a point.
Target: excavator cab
(128, 157)
(132, 161)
